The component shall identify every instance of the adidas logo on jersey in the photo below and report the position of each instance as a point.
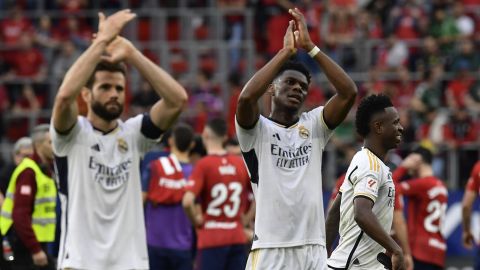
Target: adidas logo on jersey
(96, 147)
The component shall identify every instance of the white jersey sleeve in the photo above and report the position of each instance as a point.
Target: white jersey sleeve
(248, 137)
(365, 181)
(324, 131)
(62, 143)
(144, 143)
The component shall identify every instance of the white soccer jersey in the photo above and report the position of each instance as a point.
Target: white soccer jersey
(99, 179)
(366, 176)
(285, 168)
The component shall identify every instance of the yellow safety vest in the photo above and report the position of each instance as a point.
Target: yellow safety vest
(44, 215)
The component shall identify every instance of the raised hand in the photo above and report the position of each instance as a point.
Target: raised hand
(289, 38)
(109, 27)
(467, 239)
(302, 37)
(118, 50)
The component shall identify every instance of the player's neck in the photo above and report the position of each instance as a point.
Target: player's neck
(286, 118)
(181, 156)
(376, 150)
(100, 123)
(215, 149)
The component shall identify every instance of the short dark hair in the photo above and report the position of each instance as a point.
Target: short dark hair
(106, 66)
(425, 153)
(183, 135)
(367, 108)
(218, 126)
(294, 64)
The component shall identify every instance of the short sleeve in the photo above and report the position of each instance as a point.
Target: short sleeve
(197, 178)
(248, 137)
(135, 124)
(324, 131)
(62, 143)
(367, 185)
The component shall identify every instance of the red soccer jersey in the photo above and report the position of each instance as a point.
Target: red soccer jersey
(427, 204)
(220, 181)
(474, 180)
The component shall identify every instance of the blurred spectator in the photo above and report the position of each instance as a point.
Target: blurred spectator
(28, 103)
(466, 58)
(443, 27)
(339, 33)
(28, 62)
(405, 20)
(464, 23)
(458, 87)
(394, 55)
(428, 93)
(143, 99)
(22, 148)
(14, 26)
(429, 55)
(79, 34)
(234, 30)
(65, 59)
(46, 37)
(205, 100)
(460, 129)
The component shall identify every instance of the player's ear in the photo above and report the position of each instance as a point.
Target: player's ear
(377, 127)
(86, 94)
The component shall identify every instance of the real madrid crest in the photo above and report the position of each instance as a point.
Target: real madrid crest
(303, 132)
(122, 145)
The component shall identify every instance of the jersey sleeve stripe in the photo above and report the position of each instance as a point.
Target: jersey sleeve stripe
(370, 160)
(363, 194)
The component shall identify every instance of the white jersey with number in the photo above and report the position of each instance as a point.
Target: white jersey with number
(369, 177)
(285, 165)
(99, 183)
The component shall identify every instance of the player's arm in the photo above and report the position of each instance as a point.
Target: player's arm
(332, 222)
(340, 104)
(188, 203)
(65, 109)
(248, 110)
(369, 223)
(400, 228)
(467, 202)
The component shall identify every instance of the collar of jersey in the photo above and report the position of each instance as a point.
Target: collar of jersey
(283, 126)
(111, 131)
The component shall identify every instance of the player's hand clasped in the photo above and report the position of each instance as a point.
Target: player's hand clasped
(110, 27)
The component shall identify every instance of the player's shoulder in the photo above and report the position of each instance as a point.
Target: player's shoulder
(365, 162)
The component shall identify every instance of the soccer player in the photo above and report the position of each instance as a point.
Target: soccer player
(283, 153)
(366, 200)
(98, 156)
(427, 203)
(471, 191)
(219, 181)
(169, 232)
(399, 227)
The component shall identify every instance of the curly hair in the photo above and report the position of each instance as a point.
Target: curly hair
(367, 108)
(294, 64)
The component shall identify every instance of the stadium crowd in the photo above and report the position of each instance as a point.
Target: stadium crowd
(422, 54)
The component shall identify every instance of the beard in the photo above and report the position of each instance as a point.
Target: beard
(107, 115)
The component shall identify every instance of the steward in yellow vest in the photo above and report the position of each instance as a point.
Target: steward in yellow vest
(28, 214)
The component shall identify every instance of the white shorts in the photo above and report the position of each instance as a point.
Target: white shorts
(308, 257)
